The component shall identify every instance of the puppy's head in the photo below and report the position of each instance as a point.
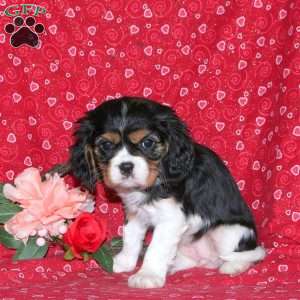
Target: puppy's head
(128, 143)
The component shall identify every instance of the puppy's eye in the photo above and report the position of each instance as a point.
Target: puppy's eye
(106, 145)
(148, 144)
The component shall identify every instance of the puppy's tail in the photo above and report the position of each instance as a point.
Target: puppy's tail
(254, 255)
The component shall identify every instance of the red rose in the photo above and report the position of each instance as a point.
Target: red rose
(86, 234)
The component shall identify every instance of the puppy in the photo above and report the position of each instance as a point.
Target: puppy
(167, 182)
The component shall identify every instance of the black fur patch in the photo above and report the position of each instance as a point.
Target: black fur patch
(246, 244)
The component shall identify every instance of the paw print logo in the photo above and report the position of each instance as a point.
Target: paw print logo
(24, 33)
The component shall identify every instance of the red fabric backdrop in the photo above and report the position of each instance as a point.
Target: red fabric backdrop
(231, 70)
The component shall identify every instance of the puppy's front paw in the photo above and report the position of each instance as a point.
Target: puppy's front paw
(146, 280)
(123, 263)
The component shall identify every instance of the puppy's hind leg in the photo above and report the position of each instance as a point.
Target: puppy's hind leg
(236, 246)
(181, 262)
(238, 262)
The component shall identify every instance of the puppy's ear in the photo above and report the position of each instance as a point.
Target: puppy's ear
(82, 160)
(180, 157)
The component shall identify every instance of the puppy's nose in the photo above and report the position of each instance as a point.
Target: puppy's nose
(126, 168)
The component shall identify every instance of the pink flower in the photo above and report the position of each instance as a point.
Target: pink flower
(46, 204)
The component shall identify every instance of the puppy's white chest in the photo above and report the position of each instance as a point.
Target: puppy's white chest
(163, 211)
(132, 200)
(158, 211)
(148, 214)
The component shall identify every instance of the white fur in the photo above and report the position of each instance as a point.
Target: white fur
(227, 237)
(139, 174)
(133, 232)
(200, 253)
(216, 249)
(252, 255)
(133, 200)
(133, 235)
(169, 224)
(172, 247)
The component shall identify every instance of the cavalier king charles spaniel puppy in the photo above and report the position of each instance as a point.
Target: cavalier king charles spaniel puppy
(167, 182)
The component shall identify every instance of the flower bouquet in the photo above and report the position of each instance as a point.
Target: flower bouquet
(37, 212)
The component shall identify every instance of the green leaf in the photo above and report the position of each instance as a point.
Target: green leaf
(2, 198)
(85, 256)
(31, 250)
(7, 208)
(116, 245)
(69, 255)
(9, 241)
(116, 242)
(7, 211)
(104, 258)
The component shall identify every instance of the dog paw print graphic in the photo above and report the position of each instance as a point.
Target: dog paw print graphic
(24, 32)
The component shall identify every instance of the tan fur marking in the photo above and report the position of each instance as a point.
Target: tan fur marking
(112, 137)
(89, 156)
(130, 215)
(105, 172)
(153, 173)
(136, 136)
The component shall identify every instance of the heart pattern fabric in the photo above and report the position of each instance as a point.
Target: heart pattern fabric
(231, 71)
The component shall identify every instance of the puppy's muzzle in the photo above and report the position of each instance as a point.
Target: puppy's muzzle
(126, 168)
